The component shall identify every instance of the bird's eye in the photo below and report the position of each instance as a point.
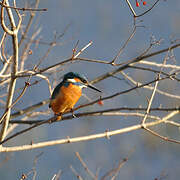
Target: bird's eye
(84, 80)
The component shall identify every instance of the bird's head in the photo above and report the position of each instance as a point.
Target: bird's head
(79, 80)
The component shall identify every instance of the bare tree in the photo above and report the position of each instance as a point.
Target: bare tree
(16, 49)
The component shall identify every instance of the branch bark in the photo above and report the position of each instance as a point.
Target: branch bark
(14, 66)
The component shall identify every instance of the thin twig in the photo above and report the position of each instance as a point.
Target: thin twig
(150, 63)
(142, 14)
(162, 137)
(1, 44)
(17, 99)
(125, 44)
(150, 101)
(29, 109)
(131, 8)
(154, 91)
(75, 173)
(22, 9)
(150, 87)
(130, 62)
(115, 170)
(85, 166)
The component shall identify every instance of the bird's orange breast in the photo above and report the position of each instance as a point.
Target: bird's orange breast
(66, 99)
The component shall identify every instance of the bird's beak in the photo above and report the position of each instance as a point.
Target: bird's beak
(92, 87)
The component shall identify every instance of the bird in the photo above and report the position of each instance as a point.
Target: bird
(67, 93)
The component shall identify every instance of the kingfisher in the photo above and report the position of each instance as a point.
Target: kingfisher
(67, 93)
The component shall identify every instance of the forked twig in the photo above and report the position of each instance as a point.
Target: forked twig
(85, 166)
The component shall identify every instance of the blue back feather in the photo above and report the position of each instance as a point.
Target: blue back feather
(56, 90)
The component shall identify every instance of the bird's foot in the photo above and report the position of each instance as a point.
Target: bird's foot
(72, 111)
(58, 116)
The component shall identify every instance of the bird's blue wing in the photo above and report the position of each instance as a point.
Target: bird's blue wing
(56, 90)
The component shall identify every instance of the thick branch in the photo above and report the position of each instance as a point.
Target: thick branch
(14, 71)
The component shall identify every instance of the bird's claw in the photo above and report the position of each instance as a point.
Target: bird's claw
(58, 116)
(74, 116)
